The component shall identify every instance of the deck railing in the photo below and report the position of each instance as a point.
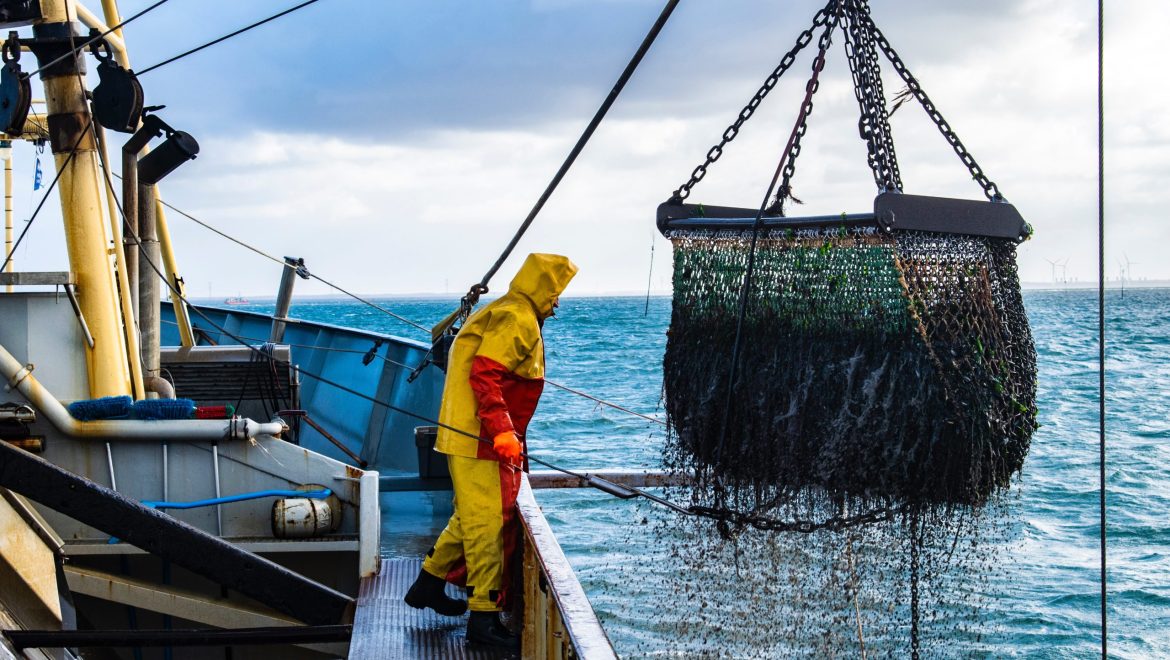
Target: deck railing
(559, 622)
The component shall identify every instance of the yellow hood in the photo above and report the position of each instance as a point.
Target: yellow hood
(542, 279)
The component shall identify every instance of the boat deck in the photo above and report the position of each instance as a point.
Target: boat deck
(386, 628)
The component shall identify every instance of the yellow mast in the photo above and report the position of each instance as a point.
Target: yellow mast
(88, 243)
(7, 146)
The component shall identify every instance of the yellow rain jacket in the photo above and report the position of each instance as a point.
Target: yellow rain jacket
(495, 370)
(495, 375)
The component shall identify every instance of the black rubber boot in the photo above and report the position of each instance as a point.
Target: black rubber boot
(485, 628)
(429, 591)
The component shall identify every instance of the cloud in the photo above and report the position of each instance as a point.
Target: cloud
(397, 150)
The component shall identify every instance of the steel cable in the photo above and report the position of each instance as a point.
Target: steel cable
(92, 40)
(285, 264)
(402, 365)
(481, 286)
(224, 37)
(49, 191)
(1101, 320)
(332, 383)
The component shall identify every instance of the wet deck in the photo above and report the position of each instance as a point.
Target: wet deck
(386, 628)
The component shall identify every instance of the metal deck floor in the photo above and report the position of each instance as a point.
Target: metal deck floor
(386, 628)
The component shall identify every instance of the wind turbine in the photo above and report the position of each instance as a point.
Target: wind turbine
(1054, 264)
(1064, 270)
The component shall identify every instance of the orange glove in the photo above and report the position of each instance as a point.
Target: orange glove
(507, 445)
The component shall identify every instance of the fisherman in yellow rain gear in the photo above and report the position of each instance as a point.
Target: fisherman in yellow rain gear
(495, 375)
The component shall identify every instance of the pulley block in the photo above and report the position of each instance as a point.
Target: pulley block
(15, 90)
(117, 99)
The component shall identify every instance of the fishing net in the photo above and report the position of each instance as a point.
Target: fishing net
(874, 368)
(897, 589)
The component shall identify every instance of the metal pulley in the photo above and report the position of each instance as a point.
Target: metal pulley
(117, 99)
(15, 89)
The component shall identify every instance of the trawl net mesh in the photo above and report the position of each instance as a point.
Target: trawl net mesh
(874, 367)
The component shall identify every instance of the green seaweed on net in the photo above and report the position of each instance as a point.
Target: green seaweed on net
(873, 368)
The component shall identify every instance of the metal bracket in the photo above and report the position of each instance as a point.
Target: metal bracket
(69, 291)
(891, 211)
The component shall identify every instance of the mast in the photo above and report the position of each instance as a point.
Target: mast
(166, 248)
(88, 243)
(6, 150)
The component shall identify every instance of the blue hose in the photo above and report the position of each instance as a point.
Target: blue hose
(160, 504)
(311, 494)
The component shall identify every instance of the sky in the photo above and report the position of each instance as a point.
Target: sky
(396, 145)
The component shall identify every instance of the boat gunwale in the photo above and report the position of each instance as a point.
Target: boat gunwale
(580, 621)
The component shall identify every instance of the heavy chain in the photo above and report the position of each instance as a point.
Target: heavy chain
(785, 190)
(740, 520)
(713, 154)
(989, 187)
(874, 122)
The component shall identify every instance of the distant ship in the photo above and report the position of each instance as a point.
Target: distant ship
(236, 300)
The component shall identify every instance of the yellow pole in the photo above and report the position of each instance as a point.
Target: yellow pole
(170, 263)
(133, 355)
(110, 10)
(182, 315)
(75, 153)
(8, 229)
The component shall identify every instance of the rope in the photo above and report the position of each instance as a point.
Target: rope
(402, 365)
(285, 264)
(593, 481)
(1101, 317)
(224, 37)
(577, 148)
(281, 363)
(76, 49)
(606, 403)
(805, 107)
(649, 279)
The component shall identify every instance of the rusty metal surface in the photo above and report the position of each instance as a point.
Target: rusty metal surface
(385, 628)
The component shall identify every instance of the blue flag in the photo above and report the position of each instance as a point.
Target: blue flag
(37, 175)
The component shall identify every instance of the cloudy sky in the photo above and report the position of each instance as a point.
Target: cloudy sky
(396, 144)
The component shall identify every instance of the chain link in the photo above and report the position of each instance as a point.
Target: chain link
(989, 187)
(874, 122)
(863, 40)
(732, 131)
(741, 520)
(785, 190)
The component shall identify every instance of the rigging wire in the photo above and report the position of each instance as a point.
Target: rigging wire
(28, 223)
(586, 478)
(402, 365)
(76, 49)
(481, 286)
(757, 225)
(617, 490)
(649, 278)
(284, 264)
(1101, 318)
(224, 37)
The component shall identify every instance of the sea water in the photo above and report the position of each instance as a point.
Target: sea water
(1041, 602)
